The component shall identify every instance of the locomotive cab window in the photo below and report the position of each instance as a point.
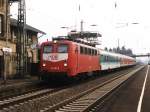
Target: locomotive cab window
(47, 49)
(62, 48)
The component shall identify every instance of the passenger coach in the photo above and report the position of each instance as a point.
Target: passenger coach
(110, 60)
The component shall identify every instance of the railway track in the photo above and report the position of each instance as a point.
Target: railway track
(18, 89)
(48, 99)
(87, 100)
(26, 97)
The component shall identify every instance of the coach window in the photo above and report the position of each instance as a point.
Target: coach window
(62, 48)
(102, 58)
(110, 59)
(47, 49)
(106, 58)
(117, 59)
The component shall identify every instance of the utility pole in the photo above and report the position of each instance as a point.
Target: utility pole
(21, 39)
(118, 43)
(21, 45)
(81, 26)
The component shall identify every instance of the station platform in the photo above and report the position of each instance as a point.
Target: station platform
(135, 97)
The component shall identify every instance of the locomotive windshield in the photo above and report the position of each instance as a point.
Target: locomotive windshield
(62, 49)
(47, 49)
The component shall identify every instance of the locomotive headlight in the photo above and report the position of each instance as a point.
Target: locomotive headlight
(44, 64)
(55, 41)
(65, 64)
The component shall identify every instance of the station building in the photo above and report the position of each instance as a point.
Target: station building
(8, 40)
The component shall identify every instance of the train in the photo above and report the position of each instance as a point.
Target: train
(69, 58)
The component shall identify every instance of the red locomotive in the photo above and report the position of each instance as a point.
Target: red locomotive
(68, 57)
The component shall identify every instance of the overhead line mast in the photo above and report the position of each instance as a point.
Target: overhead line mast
(21, 38)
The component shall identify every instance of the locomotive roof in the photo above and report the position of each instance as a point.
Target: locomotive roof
(77, 40)
(68, 41)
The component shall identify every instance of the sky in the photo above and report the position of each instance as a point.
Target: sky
(116, 24)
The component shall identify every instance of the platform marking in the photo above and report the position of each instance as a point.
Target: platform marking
(142, 93)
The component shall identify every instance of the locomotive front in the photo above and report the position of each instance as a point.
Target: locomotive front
(54, 58)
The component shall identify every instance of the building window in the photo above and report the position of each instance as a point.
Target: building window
(1, 3)
(1, 24)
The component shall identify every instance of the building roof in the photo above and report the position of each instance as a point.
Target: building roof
(27, 27)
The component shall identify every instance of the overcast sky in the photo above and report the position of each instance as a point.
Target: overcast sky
(115, 24)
